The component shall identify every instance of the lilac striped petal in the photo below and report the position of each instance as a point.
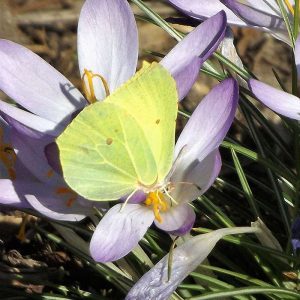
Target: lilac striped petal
(186, 257)
(48, 202)
(186, 58)
(23, 121)
(296, 234)
(193, 181)
(12, 193)
(30, 152)
(208, 125)
(297, 56)
(281, 102)
(107, 42)
(138, 197)
(178, 220)
(35, 85)
(203, 9)
(119, 231)
(257, 13)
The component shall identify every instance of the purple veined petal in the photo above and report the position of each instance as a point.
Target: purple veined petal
(23, 121)
(203, 9)
(30, 152)
(296, 234)
(52, 154)
(47, 201)
(297, 56)
(201, 173)
(208, 124)
(257, 13)
(12, 196)
(107, 42)
(34, 84)
(186, 58)
(178, 220)
(119, 231)
(138, 197)
(281, 102)
(186, 257)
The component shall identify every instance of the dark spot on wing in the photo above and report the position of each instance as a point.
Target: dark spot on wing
(157, 121)
(109, 141)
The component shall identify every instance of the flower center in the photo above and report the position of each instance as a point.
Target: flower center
(158, 202)
(88, 85)
(71, 195)
(7, 157)
(289, 6)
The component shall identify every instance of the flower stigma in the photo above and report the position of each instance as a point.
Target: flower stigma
(8, 157)
(88, 87)
(289, 6)
(72, 196)
(158, 202)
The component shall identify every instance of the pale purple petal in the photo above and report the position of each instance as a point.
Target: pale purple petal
(296, 234)
(186, 257)
(258, 14)
(297, 56)
(119, 231)
(185, 59)
(48, 202)
(203, 9)
(178, 220)
(107, 42)
(21, 117)
(281, 102)
(34, 84)
(192, 181)
(10, 195)
(30, 152)
(208, 124)
(138, 197)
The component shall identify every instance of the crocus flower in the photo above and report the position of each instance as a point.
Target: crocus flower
(281, 102)
(261, 14)
(196, 164)
(157, 284)
(107, 52)
(296, 234)
(21, 189)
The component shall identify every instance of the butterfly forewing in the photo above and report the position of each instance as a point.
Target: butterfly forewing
(114, 146)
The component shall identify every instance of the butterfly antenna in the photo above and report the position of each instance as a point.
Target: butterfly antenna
(127, 199)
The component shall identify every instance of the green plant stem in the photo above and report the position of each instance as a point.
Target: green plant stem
(280, 199)
(247, 291)
(245, 185)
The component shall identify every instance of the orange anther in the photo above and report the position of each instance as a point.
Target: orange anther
(289, 6)
(88, 88)
(50, 173)
(67, 191)
(157, 201)
(8, 157)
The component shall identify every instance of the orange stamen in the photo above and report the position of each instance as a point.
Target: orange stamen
(50, 173)
(289, 6)
(8, 157)
(90, 91)
(157, 201)
(67, 191)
